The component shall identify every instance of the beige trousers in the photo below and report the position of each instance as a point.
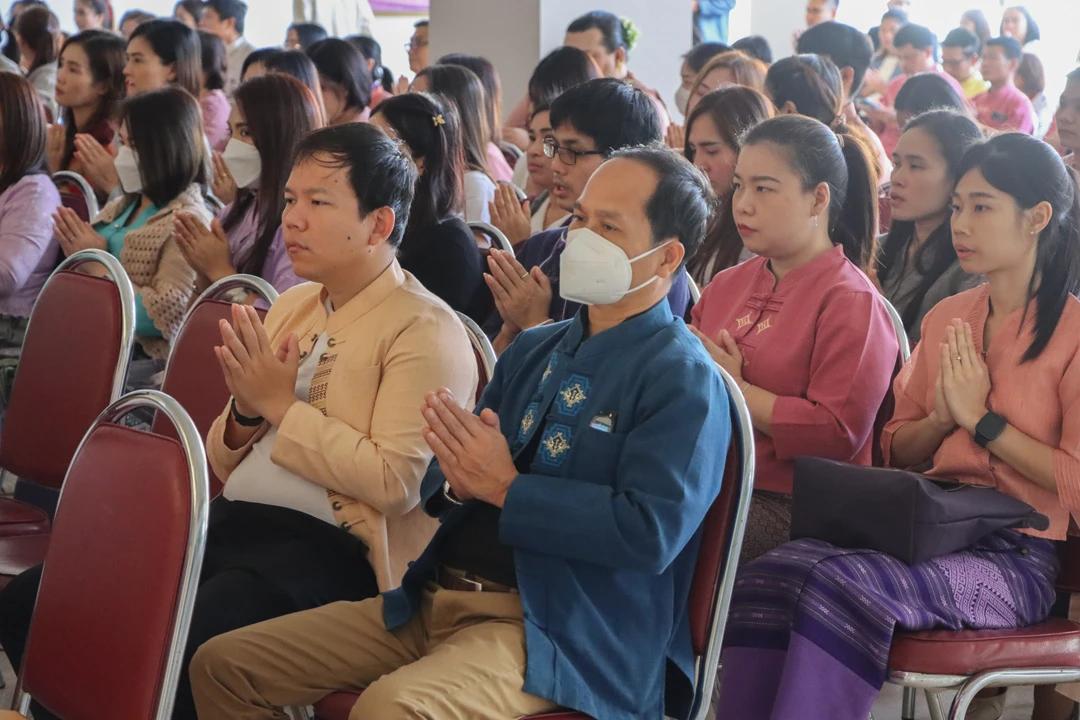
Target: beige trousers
(461, 657)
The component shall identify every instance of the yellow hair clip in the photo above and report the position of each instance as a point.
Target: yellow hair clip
(438, 120)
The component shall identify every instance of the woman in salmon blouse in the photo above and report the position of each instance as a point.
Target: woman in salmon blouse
(801, 326)
(991, 396)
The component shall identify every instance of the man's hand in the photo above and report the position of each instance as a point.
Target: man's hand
(262, 381)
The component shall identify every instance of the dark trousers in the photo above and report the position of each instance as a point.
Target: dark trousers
(261, 562)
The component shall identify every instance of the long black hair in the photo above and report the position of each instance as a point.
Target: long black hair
(1031, 172)
(415, 118)
(842, 160)
(954, 134)
(372, 50)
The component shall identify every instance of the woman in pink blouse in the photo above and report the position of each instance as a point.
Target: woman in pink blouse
(212, 99)
(991, 396)
(801, 327)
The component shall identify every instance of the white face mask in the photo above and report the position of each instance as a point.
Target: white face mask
(682, 99)
(244, 162)
(127, 169)
(594, 271)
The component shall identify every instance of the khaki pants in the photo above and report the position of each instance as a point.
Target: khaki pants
(462, 656)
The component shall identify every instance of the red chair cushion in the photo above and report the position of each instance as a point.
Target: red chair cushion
(339, 705)
(65, 376)
(19, 518)
(1054, 643)
(108, 596)
(22, 552)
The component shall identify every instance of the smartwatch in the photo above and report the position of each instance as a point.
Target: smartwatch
(989, 429)
(244, 420)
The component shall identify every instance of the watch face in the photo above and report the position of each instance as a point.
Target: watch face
(989, 428)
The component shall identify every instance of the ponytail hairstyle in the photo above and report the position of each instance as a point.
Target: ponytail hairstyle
(462, 89)
(842, 160)
(39, 28)
(954, 134)
(105, 56)
(428, 126)
(617, 32)
(372, 50)
(734, 110)
(1031, 172)
(102, 8)
(812, 84)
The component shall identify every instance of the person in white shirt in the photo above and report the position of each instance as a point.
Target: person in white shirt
(225, 18)
(340, 17)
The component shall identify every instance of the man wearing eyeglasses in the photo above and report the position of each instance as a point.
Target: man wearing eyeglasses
(589, 122)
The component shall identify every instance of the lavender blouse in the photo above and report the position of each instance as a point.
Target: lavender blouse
(278, 269)
(28, 250)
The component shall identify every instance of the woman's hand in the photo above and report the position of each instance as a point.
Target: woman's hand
(54, 147)
(97, 163)
(724, 352)
(224, 186)
(509, 215)
(941, 415)
(75, 234)
(516, 136)
(206, 249)
(402, 85)
(965, 378)
(676, 137)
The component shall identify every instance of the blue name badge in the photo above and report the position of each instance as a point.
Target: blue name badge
(604, 422)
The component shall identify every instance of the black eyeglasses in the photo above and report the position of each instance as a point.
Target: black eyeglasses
(568, 156)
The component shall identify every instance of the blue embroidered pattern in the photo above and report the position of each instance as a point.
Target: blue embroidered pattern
(573, 393)
(527, 421)
(554, 445)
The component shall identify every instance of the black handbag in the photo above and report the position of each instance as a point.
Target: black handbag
(904, 514)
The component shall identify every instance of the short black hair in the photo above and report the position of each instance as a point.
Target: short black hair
(560, 70)
(230, 9)
(309, 33)
(844, 45)
(1012, 47)
(702, 53)
(340, 62)
(755, 46)
(177, 45)
(895, 14)
(380, 172)
(928, 91)
(963, 38)
(919, 37)
(258, 56)
(214, 60)
(609, 25)
(1033, 32)
(421, 24)
(683, 201)
(613, 113)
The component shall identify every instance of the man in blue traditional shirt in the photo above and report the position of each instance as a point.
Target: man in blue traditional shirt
(572, 504)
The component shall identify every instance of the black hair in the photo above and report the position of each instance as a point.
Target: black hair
(844, 45)
(703, 53)
(612, 28)
(982, 25)
(1011, 46)
(23, 133)
(560, 70)
(928, 91)
(194, 8)
(1031, 172)
(1033, 32)
(105, 57)
(11, 47)
(309, 33)
(421, 23)
(372, 50)
(177, 45)
(965, 39)
(812, 83)
(954, 134)
(917, 36)
(381, 174)
(100, 7)
(895, 14)
(613, 113)
(39, 27)
(257, 56)
(683, 201)
(489, 77)
(165, 129)
(1031, 74)
(843, 161)
(755, 46)
(140, 17)
(296, 63)
(342, 64)
(229, 10)
(438, 191)
(464, 91)
(214, 60)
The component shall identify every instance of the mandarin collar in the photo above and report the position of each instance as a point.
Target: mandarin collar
(363, 302)
(825, 263)
(631, 331)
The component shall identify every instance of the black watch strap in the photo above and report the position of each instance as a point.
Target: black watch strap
(989, 429)
(244, 420)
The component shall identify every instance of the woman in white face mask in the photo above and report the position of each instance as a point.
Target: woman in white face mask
(161, 166)
(692, 64)
(269, 116)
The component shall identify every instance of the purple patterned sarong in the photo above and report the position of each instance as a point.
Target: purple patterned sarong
(811, 624)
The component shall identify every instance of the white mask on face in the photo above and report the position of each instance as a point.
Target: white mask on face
(682, 99)
(594, 271)
(244, 162)
(127, 169)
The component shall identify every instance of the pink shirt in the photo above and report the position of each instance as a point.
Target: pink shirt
(215, 112)
(891, 135)
(1041, 398)
(822, 341)
(1006, 109)
(498, 167)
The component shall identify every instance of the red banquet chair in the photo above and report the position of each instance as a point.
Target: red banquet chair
(193, 376)
(76, 194)
(73, 364)
(969, 661)
(714, 577)
(115, 603)
(485, 354)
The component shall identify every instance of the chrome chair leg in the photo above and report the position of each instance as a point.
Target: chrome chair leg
(907, 711)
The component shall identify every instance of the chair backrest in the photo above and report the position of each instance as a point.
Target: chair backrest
(898, 326)
(118, 586)
(74, 363)
(76, 193)
(884, 208)
(511, 152)
(496, 235)
(193, 376)
(695, 291)
(485, 353)
(718, 559)
(518, 192)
